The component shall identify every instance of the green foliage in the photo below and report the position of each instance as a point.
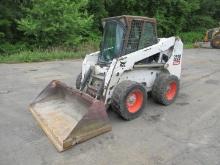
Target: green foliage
(97, 8)
(188, 46)
(7, 48)
(52, 53)
(68, 24)
(9, 11)
(38, 56)
(191, 37)
(173, 16)
(55, 22)
(127, 7)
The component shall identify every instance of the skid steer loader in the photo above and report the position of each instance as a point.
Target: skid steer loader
(131, 62)
(211, 39)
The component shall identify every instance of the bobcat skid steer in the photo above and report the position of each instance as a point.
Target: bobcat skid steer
(131, 62)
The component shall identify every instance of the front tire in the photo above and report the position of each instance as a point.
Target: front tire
(165, 89)
(129, 99)
(215, 43)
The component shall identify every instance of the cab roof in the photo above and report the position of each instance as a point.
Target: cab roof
(130, 17)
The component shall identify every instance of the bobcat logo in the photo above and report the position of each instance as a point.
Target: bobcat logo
(176, 60)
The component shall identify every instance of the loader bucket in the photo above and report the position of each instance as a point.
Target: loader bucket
(69, 116)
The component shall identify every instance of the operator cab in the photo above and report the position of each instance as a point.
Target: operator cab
(126, 34)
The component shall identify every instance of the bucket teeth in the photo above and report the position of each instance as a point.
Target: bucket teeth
(69, 116)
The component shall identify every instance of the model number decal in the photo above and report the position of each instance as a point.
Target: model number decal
(176, 60)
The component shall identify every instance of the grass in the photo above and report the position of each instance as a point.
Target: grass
(19, 53)
(188, 46)
(39, 56)
(189, 38)
(51, 54)
(56, 54)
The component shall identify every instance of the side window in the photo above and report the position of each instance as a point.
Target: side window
(135, 36)
(148, 37)
(142, 35)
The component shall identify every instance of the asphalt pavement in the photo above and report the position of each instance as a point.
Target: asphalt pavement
(184, 133)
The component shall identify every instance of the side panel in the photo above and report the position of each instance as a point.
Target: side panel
(174, 64)
(144, 76)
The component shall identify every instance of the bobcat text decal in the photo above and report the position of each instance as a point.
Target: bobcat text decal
(176, 60)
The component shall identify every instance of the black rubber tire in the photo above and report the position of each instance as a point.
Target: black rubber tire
(119, 97)
(160, 86)
(78, 81)
(213, 42)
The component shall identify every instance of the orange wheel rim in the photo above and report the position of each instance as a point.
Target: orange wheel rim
(171, 91)
(134, 101)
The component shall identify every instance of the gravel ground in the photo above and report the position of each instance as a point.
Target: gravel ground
(184, 133)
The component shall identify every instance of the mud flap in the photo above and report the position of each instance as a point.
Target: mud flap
(69, 116)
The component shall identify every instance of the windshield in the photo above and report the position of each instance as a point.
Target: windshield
(112, 41)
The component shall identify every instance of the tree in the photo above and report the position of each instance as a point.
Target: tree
(45, 23)
(97, 8)
(56, 22)
(9, 11)
(207, 16)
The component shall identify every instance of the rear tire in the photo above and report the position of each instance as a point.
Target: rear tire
(129, 99)
(78, 81)
(165, 89)
(215, 43)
